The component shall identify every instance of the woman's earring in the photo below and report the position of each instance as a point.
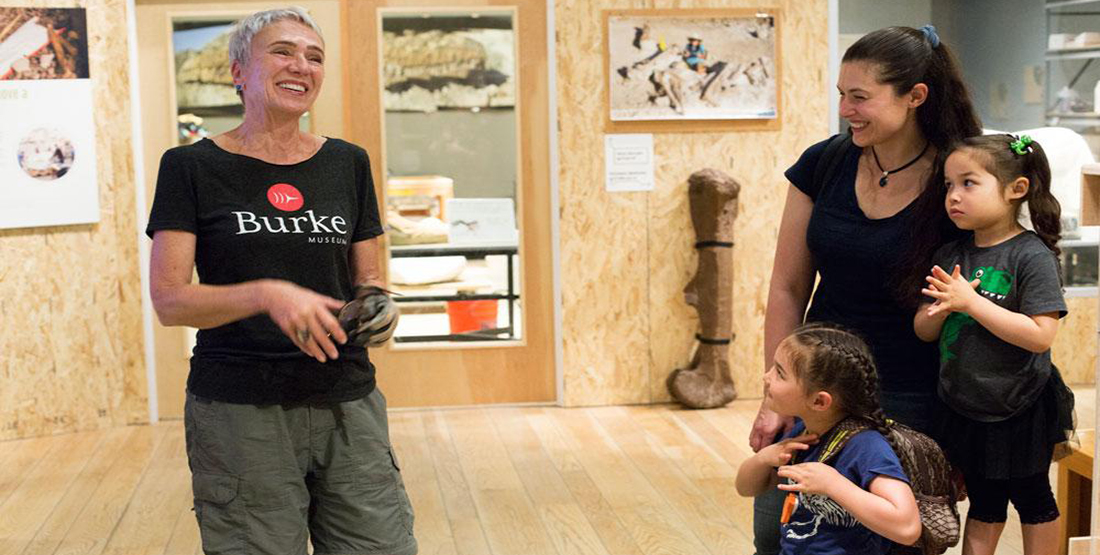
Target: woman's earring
(239, 87)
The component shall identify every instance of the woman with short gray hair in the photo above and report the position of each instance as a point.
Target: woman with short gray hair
(287, 436)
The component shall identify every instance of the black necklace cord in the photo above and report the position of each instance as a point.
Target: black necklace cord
(886, 173)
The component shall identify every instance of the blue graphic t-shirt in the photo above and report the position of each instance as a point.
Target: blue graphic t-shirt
(820, 526)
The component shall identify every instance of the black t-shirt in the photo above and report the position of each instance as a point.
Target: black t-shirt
(254, 220)
(981, 375)
(856, 258)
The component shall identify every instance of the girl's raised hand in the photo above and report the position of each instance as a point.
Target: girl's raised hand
(779, 454)
(811, 477)
(952, 292)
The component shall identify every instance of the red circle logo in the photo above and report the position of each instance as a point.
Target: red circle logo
(285, 197)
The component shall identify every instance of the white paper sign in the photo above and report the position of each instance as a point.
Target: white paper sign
(475, 221)
(629, 162)
(47, 153)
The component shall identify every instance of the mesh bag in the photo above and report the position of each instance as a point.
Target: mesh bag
(931, 477)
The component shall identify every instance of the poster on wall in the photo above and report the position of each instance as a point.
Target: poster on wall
(47, 140)
(691, 65)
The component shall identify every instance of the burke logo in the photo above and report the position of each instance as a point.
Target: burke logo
(285, 197)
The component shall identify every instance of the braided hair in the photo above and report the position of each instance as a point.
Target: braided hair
(827, 357)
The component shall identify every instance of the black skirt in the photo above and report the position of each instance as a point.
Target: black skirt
(1021, 446)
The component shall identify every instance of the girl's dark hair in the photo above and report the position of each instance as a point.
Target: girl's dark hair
(995, 154)
(829, 358)
(903, 57)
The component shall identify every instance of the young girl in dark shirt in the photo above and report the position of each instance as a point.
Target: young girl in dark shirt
(994, 300)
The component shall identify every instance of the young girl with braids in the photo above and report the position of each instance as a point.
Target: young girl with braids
(861, 501)
(994, 300)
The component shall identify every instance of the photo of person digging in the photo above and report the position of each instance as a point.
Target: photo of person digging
(661, 68)
(695, 54)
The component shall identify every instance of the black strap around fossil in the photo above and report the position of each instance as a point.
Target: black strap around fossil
(704, 244)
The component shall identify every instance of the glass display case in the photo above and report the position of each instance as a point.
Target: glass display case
(1080, 263)
(450, 127)
(1072, 66)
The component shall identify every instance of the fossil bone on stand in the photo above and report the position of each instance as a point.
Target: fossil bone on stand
(707, 382)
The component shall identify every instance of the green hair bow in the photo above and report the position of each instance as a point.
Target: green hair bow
(1022, 145)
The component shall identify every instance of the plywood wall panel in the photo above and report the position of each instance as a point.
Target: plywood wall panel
(626, 257)
(71, 352)
(1074, 350)
(603, 236)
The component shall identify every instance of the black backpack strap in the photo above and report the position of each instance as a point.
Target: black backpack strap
(830, 160)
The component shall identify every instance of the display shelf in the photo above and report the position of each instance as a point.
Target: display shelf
(1067, 3)
(1078, 115)
(1082, 53)
(509, 250)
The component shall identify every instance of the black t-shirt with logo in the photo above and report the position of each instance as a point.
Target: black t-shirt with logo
(255, 220)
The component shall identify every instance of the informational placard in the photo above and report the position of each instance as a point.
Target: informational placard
(47, 142)
(482, 221)
(629, 162)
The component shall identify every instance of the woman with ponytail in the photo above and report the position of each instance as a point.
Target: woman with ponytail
(866, 230)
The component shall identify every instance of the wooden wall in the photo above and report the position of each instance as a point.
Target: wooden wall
(71, 351)
(625, 257)
(1074, 350)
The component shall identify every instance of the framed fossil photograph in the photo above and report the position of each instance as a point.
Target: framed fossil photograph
(676, 65)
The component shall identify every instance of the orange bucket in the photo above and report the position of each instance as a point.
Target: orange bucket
(467, 316)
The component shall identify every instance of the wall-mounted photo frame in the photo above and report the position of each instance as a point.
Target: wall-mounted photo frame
(48, 163)
(709, 66)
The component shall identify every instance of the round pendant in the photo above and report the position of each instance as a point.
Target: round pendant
(882, 181)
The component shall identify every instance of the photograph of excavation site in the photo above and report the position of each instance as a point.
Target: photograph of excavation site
(687, 67)
(43, 44)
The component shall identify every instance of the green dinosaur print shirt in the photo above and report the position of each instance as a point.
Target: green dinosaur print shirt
(982, 376)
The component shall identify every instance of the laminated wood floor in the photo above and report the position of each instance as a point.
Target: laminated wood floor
(491, 481)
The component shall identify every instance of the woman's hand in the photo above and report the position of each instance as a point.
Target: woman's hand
(306, 317)
(952, 292)
(811, 477)
(767, 426)
(779, 454)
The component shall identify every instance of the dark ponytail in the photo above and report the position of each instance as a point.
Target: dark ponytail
(904, 57)
(826, 357)
(996, 155)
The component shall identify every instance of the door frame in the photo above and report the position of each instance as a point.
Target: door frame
(520, 372)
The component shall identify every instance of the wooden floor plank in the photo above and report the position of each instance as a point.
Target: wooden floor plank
(599, 513)
(703, 463)
(30, 504)
(106, 506)
(79, 493)
(665, 473)
(147, 524)
(18, 459)
(465, 522)
(184, 538)
(648, 518)
(433, 531)
(510, 520)
(562, 518)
